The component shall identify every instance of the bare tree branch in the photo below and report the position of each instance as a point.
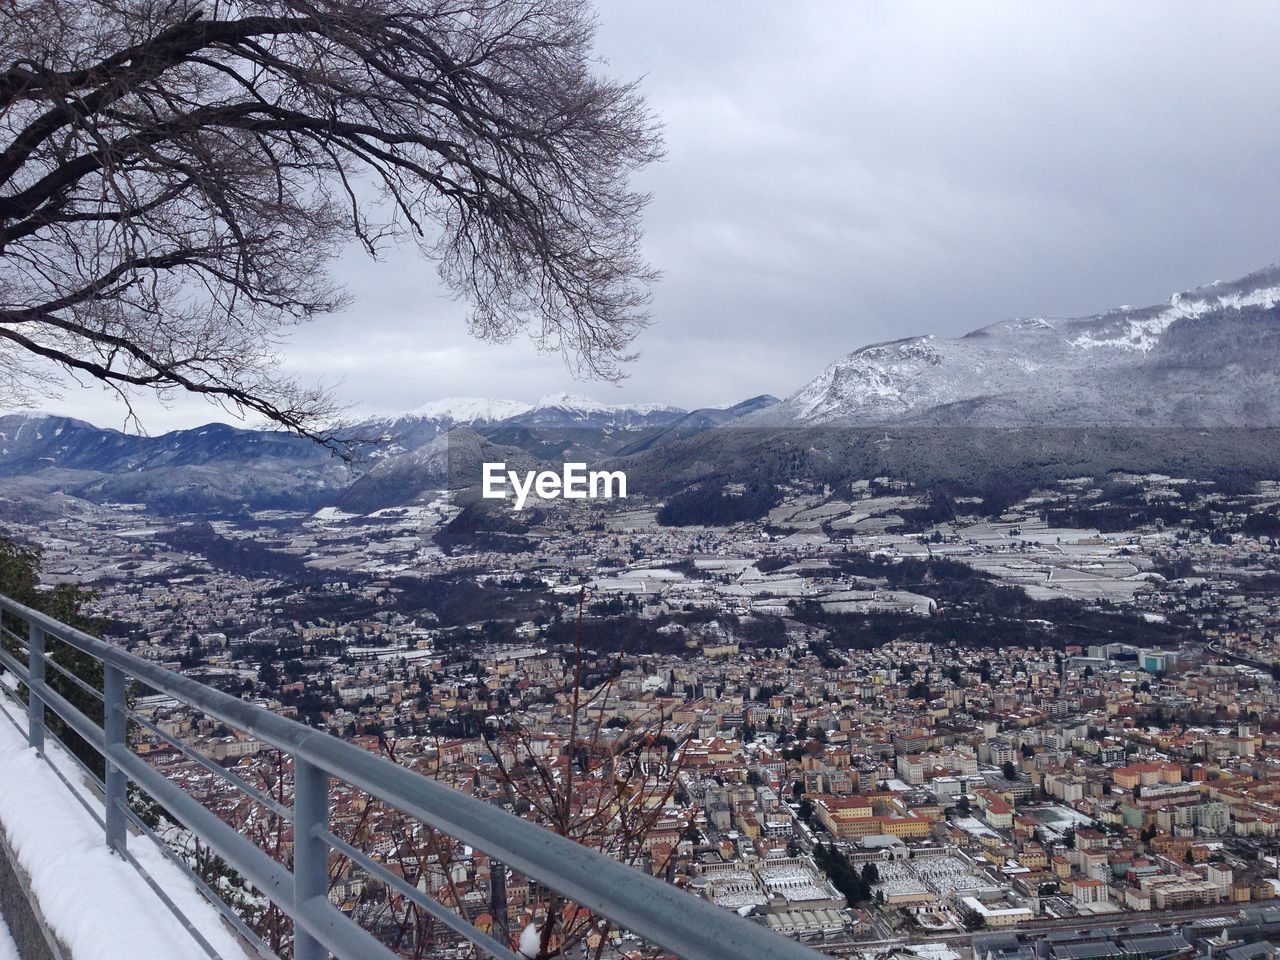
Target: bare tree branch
(176, 178)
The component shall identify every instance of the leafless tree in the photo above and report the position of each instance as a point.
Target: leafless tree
(608, 790)
(176, 177)
(421, 855)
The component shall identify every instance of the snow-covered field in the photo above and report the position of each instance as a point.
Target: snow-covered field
(941, 875)
(734, 891)
(1056, 818)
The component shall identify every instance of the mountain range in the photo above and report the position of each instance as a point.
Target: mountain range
(1158, 379)
(563, 410)
(218, 467)
(1210, 357)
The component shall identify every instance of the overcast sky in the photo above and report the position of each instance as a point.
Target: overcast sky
(842, 173)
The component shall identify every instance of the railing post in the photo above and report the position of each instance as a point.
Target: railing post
(310, 850)
(113, 726)
(35, 674)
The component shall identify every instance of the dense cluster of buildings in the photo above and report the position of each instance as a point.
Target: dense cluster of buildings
(859, 798)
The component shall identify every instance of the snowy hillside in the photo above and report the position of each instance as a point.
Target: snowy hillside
(1204, 358)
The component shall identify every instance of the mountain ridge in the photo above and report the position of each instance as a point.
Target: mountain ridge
(1202, 358)
(221, 467)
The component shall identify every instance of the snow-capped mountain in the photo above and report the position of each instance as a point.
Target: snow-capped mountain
(696, 421)
(570, 410)
(399, 434)
(1207, 358)
(418, 474)
(35, 441)
(559, 427)
(559, 409)
(1210, 357)
(470, 410)
(218, 467)
(409, 431)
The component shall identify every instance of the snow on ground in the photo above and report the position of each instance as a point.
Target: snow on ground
(975, 827)
(1143, 335)
(95, 902)
(933, 951)
(8, 949)
(1056, 818)
(333, 513)
(735, 890)
(793, 882)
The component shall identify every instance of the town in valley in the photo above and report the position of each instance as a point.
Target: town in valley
(875, 718)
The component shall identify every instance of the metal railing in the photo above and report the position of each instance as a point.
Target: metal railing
(660, 913)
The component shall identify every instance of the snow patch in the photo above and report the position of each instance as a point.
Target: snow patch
(481, 410)
(530, 942)
(1030, 323)
(332, 513)
(1142, 335)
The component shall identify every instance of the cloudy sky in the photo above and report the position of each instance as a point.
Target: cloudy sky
(845, 172)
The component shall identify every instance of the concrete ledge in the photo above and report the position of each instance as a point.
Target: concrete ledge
(34, 939)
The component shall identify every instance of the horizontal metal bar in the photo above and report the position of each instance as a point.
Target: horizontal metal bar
(260, 869)
(13, 697)
(192, 930)
(94, 735)
(18, 641)
(19, 669)
(657, 911)
(337, 932)
(124, 852)
(213, 767)
(82, 684)
(52, 662)
(451, 919)
(96, 782)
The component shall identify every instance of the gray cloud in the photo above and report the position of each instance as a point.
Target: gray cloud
(841, 173)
